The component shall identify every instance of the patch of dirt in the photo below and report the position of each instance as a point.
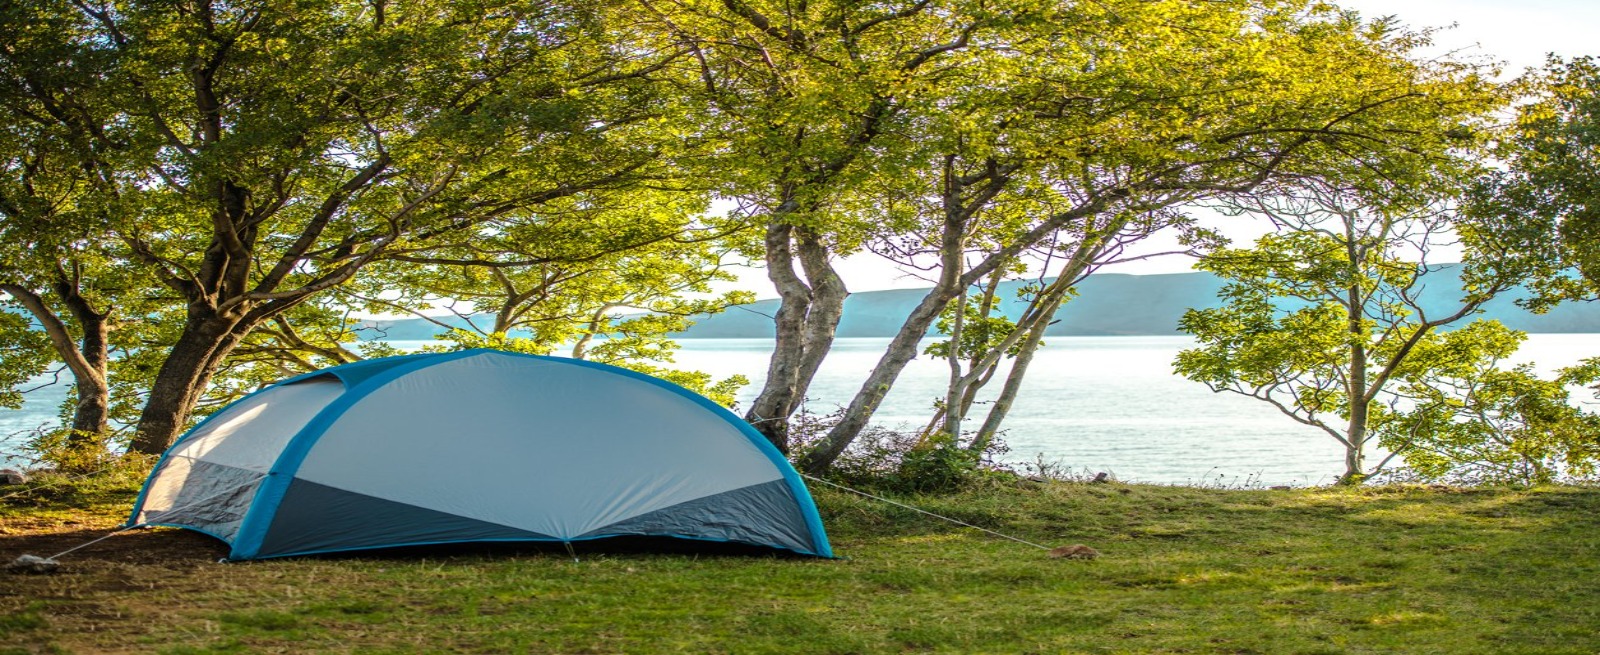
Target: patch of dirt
(103, 591)
(154, 546)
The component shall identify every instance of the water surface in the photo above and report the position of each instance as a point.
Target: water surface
(1090, 404)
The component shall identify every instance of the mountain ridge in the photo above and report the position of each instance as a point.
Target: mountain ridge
(1108, 304)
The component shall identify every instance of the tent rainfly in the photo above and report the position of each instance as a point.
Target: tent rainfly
(475, 446)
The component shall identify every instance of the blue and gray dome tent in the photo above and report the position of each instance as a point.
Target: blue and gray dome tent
(475, 446)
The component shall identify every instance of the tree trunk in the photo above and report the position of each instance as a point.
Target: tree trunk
(901, 351)
(828, 294)
(206, 339)
(975, 381)
(91, 416)
(1035, 320)
(1008, 392)
(1356, 430)
(956, 390)
(86, 357)
(769, 412)
(805, 325)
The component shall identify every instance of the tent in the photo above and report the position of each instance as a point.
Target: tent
(475, 446)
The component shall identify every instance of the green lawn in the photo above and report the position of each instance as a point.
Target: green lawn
(1380, 570)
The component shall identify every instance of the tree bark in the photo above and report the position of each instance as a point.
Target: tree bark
(206, 340)
(769, 412)
(91, 417)
(902, 349)
(87, 356)
(1035, 323)
(1008, 391)
(828, 294)
(1356, 393)
(956, 389)
(1036, 319)
(805, 325)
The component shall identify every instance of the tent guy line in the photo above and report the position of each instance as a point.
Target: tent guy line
(48, 564)
(923, 511)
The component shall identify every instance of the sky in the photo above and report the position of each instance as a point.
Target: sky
(1518, 33)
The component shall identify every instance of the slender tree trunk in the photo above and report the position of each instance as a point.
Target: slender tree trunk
(769, 412)
(974, 381)
(828, 294)
(902, 349)
(956, 389)
(581, 348)
(91, 416)
(1033, 323)
(1013, 383)
(1356, 430)
(965, 384)
(969, 397)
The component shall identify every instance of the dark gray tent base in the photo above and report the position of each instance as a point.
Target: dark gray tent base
(625, 545)
(315, 518)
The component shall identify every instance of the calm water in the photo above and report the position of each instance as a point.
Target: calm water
(1089, 403)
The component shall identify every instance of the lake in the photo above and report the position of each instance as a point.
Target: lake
(1089, 404)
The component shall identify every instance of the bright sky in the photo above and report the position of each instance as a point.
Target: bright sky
(1517, 32)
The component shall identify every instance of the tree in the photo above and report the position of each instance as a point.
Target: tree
(1543, 208)
(803, 102)
(256, 156)
(1229, 99)
(1081, 252)
(1323, 318)
(313, 335)
(1473, 417)
(53, 267)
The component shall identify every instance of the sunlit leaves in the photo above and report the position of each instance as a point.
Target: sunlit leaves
(1543, 211)
(24, 353)
(1482, 422)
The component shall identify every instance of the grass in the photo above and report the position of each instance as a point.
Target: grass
(1184, 570)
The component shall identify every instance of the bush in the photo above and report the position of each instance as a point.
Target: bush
(897, 460)
(64, 450)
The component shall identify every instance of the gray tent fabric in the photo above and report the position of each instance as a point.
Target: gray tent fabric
(212, 498)
(479, 445)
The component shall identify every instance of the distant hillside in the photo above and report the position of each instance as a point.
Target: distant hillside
(1108, 304)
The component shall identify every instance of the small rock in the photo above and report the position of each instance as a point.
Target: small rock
(33, 564)
(1280, 487)
(12, 476)
(1102, 477)
(1075, 551)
